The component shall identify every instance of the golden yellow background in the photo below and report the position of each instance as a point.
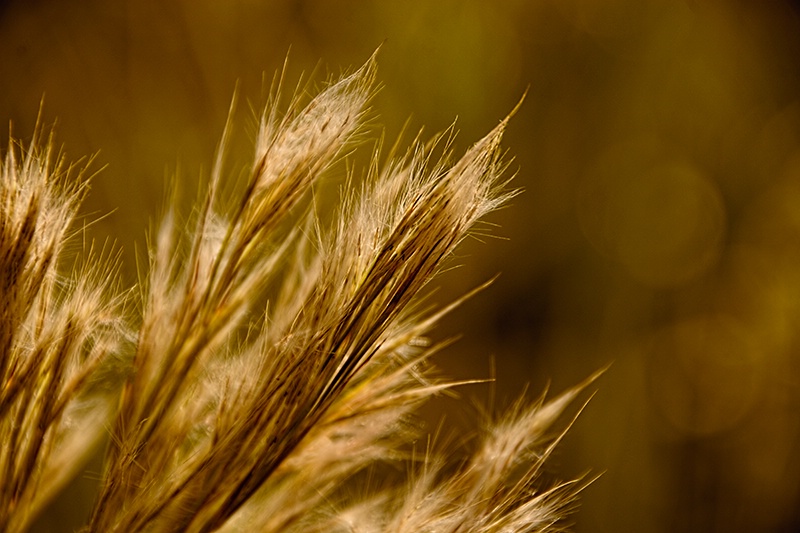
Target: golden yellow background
(659, 228)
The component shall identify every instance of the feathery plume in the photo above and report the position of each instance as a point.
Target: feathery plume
(234, 418)
(55, 332)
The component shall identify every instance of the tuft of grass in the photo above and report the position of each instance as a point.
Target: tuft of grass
(222, 414)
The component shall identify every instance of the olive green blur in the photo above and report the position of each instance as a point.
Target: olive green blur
(658, 148)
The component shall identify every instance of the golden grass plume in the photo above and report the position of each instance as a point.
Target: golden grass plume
(228, 416)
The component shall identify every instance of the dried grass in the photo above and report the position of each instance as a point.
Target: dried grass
(228, 417)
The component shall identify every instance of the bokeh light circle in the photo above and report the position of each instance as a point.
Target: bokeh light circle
(658, 216)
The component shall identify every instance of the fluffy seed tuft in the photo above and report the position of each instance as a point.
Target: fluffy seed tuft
(224, 417)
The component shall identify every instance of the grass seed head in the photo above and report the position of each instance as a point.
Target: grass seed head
(227, 417)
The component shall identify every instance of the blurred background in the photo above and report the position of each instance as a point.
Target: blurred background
(659, 228)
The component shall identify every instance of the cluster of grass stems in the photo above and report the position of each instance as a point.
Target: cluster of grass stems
(267, 367)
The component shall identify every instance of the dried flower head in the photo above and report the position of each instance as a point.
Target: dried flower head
(233, 418)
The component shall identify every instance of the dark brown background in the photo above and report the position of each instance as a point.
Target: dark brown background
(659, 150)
